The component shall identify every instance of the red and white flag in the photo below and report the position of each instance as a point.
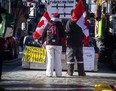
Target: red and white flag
(41, 25)
(79, 16)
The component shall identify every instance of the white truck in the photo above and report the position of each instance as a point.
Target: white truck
(63, 7)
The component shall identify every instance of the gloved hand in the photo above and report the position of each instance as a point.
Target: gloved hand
(44, 45)
(36, 40)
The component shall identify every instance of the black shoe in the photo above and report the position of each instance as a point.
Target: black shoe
(82, 74)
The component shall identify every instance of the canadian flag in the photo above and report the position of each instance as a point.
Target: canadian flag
(79, 16)
(41, 25)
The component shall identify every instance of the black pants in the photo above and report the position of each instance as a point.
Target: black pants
(71, 53)
(1, 62)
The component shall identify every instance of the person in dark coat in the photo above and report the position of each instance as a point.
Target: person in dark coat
(74, 37)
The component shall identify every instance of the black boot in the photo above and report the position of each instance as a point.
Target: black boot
(70, 69)
(80, 69)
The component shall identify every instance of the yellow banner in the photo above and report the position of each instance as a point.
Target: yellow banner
(34, 54)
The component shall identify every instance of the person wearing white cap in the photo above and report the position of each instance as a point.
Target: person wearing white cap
(54, 45)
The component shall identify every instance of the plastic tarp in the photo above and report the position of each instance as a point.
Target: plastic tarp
(100, 29)
(7, 25)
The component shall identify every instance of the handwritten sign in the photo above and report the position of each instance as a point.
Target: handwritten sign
(34, 54)
(89, 58)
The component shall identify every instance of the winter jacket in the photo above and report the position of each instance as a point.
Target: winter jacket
(62, 34)
(74, 34)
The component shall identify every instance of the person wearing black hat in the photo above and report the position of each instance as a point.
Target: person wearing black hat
(53, 46)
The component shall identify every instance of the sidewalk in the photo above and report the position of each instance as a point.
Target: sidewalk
(35, 80)
(15, 78)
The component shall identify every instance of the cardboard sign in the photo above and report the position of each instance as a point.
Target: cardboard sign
(89, 58)
(34, 54)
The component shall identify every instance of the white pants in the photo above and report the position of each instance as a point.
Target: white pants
(54, 54)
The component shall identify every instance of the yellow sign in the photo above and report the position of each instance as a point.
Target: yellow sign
(34, 54)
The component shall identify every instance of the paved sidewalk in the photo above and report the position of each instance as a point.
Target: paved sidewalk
(15, 78)
(35, 80)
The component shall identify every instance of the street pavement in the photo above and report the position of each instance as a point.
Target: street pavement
(15, 78)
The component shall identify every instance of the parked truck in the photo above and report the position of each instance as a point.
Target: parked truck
(63, 7)
(10, 42)
(105, 31)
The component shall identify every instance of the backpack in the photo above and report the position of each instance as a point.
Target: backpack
(52, 34)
